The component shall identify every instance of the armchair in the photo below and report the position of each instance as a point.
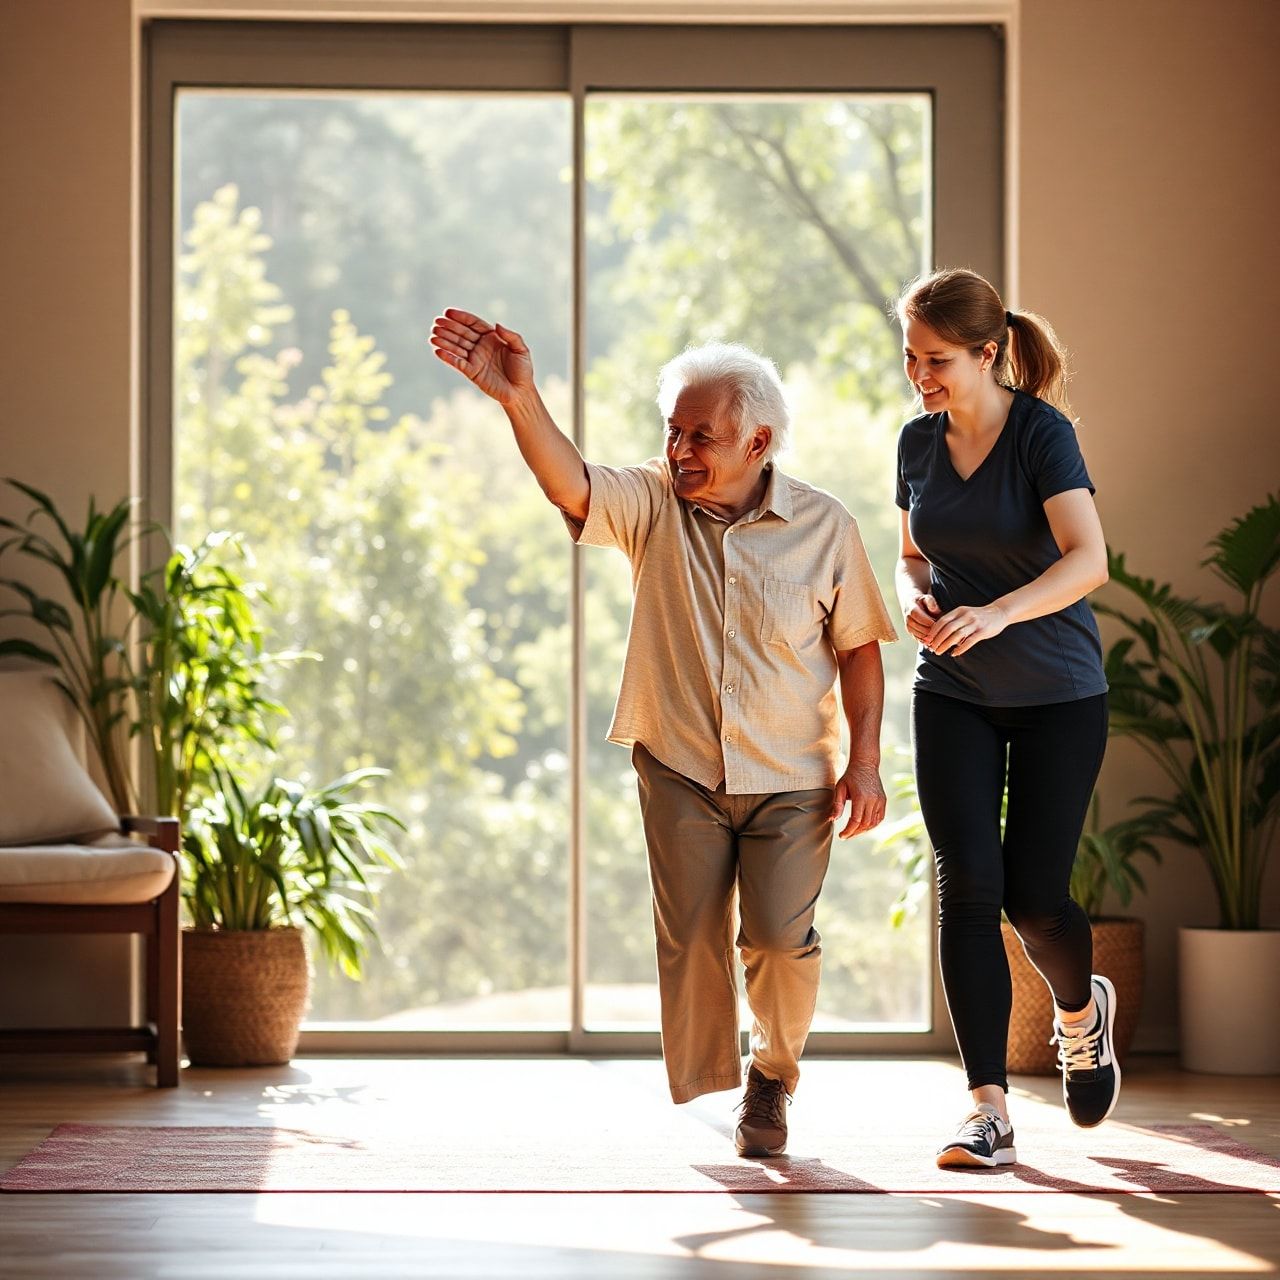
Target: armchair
(70, 864)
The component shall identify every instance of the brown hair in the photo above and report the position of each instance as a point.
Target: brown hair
(964, 309)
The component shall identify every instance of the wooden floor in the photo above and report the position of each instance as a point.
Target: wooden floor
(712, 1236)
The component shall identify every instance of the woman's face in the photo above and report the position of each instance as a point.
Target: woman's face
(946, 377)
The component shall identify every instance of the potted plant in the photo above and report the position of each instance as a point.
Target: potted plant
(257, 869)
(1106, 863)
(1197, 685)
(179, 665)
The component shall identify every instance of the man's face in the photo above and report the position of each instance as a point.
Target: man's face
(707, 462)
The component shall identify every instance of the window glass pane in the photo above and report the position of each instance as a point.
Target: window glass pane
(392, 521)
(788, 224)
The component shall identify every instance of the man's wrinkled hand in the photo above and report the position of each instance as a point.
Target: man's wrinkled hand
(860, 788)
(494, 357)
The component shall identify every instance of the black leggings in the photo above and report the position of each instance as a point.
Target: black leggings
(1051, 755)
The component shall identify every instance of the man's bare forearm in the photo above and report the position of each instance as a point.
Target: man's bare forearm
(550, 454)
(862, 695)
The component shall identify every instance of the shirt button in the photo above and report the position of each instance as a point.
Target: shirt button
(731, 633)
(732, 581)
(728, 688)
(728, 737)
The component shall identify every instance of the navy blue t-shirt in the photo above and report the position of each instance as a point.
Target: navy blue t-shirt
(988, 535)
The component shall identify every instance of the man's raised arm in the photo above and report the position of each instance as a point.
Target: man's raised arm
(498, 362)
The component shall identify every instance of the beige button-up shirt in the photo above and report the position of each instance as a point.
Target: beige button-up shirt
(730, 670)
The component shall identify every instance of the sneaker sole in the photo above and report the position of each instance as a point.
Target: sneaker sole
(758, 1150)
(962, 1158)
(1106, 985)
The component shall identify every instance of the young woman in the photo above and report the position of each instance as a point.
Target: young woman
(1000, 545)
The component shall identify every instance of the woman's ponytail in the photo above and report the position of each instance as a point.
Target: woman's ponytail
(1034, 360)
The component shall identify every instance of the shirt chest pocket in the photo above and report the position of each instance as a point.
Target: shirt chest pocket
(788, 612)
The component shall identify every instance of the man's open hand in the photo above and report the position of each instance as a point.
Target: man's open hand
(493, 357)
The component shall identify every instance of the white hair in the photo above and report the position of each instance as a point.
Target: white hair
(754, 394)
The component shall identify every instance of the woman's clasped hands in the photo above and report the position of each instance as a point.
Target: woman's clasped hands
(955, 632)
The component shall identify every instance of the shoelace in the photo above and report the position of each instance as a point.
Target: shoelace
(1077, 1050)
(981, 1126)
(764, 1101)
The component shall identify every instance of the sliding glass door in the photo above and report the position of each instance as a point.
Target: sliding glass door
(614, 195)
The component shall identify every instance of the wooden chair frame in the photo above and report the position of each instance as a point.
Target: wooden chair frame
(158, 922)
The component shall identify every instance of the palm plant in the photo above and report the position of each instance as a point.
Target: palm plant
(86, 642)
(1106, 860)
(1197, 686)
(290, 855)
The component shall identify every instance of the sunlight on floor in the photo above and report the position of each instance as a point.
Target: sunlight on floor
(987, 1233)
(921, 1234)
(433, 1116)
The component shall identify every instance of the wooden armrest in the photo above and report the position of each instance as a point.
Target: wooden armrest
(163, 833)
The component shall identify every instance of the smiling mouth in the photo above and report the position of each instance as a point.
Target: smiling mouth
(925, 391)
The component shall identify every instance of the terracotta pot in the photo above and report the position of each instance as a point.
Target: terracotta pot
(1228, 994)
(243, 995)
(1117, 953)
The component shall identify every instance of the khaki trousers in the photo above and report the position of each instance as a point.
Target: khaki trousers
(704, 847)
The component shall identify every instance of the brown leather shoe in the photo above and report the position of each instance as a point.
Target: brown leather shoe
(762, 1131)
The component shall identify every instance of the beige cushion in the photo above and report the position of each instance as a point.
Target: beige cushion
(113, 869)
(46, 792)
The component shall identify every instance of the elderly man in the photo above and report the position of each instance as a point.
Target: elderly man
(752, 592)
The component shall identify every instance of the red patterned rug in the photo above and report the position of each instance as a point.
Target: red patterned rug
(685, 1157)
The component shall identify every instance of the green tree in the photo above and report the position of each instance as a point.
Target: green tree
(370, 202)
(366, 535)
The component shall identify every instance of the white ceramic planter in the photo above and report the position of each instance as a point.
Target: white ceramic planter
(1228, 998)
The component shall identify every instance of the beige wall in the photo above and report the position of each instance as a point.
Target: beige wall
(65, 86)
(65, 352)
(1146, 207)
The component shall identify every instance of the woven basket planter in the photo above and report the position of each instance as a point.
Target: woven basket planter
(1117, 953)
(243, 996)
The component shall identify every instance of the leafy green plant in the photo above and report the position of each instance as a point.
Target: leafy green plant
(1107, 857)
(289, 855)
(905, 839)
(179, 662)
(1197, 686)
(197, 697)
(201, 689)
(86, 641)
